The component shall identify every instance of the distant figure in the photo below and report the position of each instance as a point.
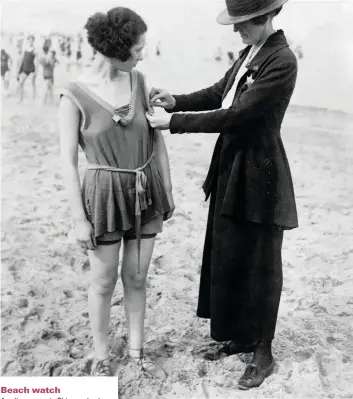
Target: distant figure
(27, 68)
(79, 41)
(47, 43)
(49, 62)
(218, 56)
(6, 63)
(158, 49)
(18, 61)
(62, 46)
(230, 57)
(299, 51)
(68, 56)
(78, 55)
(19, 44)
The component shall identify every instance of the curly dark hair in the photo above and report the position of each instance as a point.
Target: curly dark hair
(113, 34)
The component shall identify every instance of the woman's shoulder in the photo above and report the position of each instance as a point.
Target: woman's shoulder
(69, 86)
(71, 90)
(285, 55)
(140, 76)
(141, 81)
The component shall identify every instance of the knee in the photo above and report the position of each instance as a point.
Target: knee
(103, 285)
(135, 281)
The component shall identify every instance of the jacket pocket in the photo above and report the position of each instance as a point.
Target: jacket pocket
(260, 186)
(258, 160)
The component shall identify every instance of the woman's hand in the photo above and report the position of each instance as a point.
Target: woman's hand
(84, 234)
(161, 98)
(169, 214)
(161, 121)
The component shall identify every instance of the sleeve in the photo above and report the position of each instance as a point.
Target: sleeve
(202, 100)
(275, 84)
(70, 93)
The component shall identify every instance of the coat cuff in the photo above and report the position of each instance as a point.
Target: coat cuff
(178, 104)
(175, 125)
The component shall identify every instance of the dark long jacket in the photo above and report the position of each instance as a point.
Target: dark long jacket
(249, 171)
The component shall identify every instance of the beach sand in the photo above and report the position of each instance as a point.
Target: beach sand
(45, 328)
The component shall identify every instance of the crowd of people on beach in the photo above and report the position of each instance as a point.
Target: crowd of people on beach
(24, 57)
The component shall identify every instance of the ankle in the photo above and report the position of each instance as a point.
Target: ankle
(136, 353)
(263, 353)
(265, 345)
(102, 352)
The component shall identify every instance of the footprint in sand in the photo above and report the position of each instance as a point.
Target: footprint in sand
(159, 263)
(36, 312)
(302, 355)
(182, 215)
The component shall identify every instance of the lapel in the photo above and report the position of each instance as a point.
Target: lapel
(242, 55)
(273, 44)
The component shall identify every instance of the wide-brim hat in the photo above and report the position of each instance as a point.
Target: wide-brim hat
(243, 10)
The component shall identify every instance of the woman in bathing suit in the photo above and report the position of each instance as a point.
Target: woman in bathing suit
(126, 192)
(27, 68)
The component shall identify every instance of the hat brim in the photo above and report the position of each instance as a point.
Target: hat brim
(225, 19)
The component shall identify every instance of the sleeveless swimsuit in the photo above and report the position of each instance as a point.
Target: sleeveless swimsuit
(122, 189)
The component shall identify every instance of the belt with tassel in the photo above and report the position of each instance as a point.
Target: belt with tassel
(140, 188)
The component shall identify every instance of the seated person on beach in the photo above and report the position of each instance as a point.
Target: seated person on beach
(126, 192)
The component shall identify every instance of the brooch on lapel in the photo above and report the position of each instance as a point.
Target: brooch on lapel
(249, 81)
(116, 118)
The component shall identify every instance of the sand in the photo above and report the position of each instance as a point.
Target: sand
(45, 328)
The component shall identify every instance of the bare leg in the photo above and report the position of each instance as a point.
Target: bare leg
(135, 302)
(51, 94)
(46, 91)
(22, 80)
(7, 78)
(34, 89)
(104, 274)
(5, 83)
(135, 288)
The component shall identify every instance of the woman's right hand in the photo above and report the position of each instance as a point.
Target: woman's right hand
(161, 98)
(84, 234)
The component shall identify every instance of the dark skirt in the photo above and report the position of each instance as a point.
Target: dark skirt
(241, 278)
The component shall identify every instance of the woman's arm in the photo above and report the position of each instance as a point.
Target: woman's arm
(275, 84)
(69, 122)
(20, 62)
(36, 62)
(162, 159)
(202, 100)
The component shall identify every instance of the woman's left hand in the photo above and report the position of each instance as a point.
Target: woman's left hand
(160, 121)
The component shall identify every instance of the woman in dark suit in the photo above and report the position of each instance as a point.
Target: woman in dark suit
(249, 183)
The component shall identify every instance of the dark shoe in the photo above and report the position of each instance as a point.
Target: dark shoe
(254, 376)
(229, 349)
